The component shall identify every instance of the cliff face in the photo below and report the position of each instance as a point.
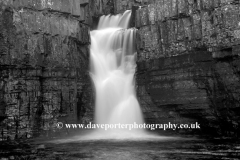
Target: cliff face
(188, 63)
(44, 49)
(188, 66)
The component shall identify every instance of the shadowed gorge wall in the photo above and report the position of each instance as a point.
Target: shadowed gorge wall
(44, 49)
(188, 63)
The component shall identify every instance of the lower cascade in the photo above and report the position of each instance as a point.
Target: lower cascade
(112, 70)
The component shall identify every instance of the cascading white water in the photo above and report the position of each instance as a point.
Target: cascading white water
(112, 70)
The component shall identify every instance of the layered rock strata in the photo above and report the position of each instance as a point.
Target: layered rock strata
(44, 49)
(188, 63)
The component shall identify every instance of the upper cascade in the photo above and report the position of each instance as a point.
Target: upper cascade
(115, 21)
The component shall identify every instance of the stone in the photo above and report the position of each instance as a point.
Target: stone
(41, 146)
(49, 52)
(160, 10)
(182, 7)
(195, 71)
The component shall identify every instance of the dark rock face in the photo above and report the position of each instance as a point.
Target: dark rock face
(44, 49)
(188, 66)
(188, 63)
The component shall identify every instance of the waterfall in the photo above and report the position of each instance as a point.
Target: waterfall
(113, 63)
(112, 69)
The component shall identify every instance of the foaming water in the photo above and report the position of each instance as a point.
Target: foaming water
(115, 135)
(112, 70)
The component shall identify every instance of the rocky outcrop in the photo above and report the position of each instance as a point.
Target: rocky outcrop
(44, 49)
(188, 63)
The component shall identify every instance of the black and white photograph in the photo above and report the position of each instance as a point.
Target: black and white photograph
(119, 79)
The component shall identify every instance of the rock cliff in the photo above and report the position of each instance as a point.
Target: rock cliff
(44, 49)
(188, 63)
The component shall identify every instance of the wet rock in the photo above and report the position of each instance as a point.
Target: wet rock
(187, 63)
(43, 66)
(237, 147)
(41, 146)
(11, 157)
(34, 151)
